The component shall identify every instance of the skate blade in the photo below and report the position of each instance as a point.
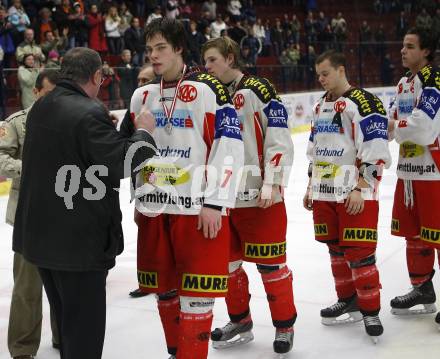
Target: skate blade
(346, 318)
(239, 339)
(426, 309)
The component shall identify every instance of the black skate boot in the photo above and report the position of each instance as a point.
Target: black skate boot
(232, 334)
(344, 311)
(422, 294)
(373, 327)
(283, 340)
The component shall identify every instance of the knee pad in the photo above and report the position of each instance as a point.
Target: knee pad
(265, 268)
(233, 266)
(196, 305)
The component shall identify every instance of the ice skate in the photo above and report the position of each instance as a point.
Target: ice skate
(232, 334)
(373, 327)
(343, 311)
(422, 296)
(283, 342)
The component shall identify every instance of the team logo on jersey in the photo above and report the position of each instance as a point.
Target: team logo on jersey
(360, 235)
(400, 89)
(269, 250)
(374, 127)
(147, 279)
(411, 150)
(325, 170)
(163, 174)
(430, 235)
(238, 101)
(181, 119)
(205, 283)
(187, 93)
(276, 114)
(340, 106)
(227, 123)
(321, 229)
(430, 102)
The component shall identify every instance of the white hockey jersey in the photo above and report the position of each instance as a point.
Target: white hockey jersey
(346, 133)
(416, 107)
(200, 149)
(268, 146)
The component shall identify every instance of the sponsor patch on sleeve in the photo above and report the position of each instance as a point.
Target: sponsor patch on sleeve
(374, 127)
(276, 114)
(227, 123)
(430, 102)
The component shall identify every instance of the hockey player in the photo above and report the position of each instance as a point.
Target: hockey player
(259, 221)
(347, 149)
(415, 126)
(183, 253)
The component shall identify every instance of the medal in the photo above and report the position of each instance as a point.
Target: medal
(169, 112)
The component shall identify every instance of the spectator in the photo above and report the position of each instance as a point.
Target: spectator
(248, 11)
(379, 37)
(127, 74)
(277, 37)
(328, 38)
(157, 14)
(27, 75)
(51, 42)
(407, 5)
(126, 17)
(296, 27)
(294, 55)
(386, 71)
(217, 26)
(339, 27)
(286, 69)
(112, 22)
(259, 30)
(210, 7)
(248, 61)
(43, 24)
(401, 25)
(54, 60)
(172, 9)
(28, 46)
(62, 13)
(135, 42)
(6, 41)
(237, 32)
(310, 26)
(110, 82)
(78, 28)
(196, 40)
(97, 40)
(321, 28)
(185, 10)
(253, 44)
(234, 10)
(140, 8)
(365, 32)
(20, 21)
(378, 6)
(424, 20)
(310, 72)
(286, 24)
(436, 25)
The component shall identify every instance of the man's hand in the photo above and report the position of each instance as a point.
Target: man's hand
(146, 121)
(114, 119)
(210, 221)
(268, 195)
(354, 203)
(307, 200)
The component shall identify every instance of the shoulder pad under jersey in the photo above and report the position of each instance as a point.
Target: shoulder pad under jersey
(366, 102)
(261, 87)
(221, 93)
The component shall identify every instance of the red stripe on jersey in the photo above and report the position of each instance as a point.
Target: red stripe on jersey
(352, 131)
(209, 131)
(132, 116)
(259, 138)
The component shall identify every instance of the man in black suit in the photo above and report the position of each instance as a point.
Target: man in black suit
(68, 220)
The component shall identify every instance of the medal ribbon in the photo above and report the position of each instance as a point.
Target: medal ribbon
(169, 112)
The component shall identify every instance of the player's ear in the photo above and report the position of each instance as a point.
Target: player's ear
(230, 60)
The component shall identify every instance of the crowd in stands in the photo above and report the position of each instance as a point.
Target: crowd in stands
(36, 33)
